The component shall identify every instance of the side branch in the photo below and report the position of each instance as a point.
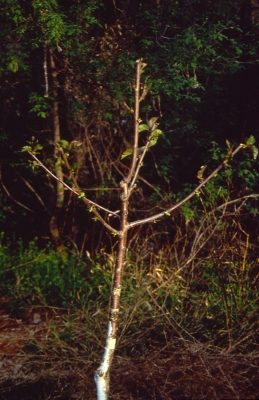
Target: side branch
(89, 203)
(139, 165)
(187, 198)
(136, 122)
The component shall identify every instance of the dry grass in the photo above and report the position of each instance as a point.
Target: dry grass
(188, 325)
(150, 364)
(160, 374)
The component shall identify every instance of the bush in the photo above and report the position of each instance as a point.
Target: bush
(44, 276)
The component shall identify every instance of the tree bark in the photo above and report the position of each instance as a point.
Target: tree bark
(53, 225)
(102, 374)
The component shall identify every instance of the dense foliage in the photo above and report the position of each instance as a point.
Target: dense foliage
(202, 79)
(191, 282)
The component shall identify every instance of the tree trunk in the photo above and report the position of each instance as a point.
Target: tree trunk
(53, 225)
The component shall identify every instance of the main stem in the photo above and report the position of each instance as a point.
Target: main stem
(102, 374)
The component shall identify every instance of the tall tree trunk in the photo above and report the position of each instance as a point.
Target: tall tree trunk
(102, 374)
(53, 225)
(254, 12)
(188, 12)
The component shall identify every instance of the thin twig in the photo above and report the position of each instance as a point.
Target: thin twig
(88, 202)
(32, 189)
(11, 197)
(138, 166)
(187, 198)
(136, 122)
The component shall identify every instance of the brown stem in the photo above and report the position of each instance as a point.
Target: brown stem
(138, 166)
(102, 374)
(78, 192)
(57, 135)
(187, 198)
(136, 122)
(53, 224)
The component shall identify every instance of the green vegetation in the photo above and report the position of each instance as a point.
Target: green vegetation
(199, 294)
(34, 276)
(191, 280)
(201, 79)
(205, 285)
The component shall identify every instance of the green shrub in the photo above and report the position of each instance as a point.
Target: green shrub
(44, 276)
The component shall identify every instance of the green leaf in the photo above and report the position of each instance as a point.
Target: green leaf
(154, 137)
(126, 153)
(250, 144)
(13, 65)
(82, 194)
(200, 172)
(34, 165)
(152, 142)
(152, 123)
(250, 141)
(255, 152)
(26, 148)
(38, 147)
(156, 133)
(63, 143)
(143, 127)
(228, 144)
(42, 114)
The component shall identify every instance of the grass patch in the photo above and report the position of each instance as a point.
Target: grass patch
(188, 318)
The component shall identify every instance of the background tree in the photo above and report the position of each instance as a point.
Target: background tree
(128, 185)
(203, 83)
(192, 281)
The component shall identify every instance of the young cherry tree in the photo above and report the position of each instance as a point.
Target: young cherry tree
(127, 186)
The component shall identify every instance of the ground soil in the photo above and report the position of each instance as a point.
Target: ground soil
(36, 365)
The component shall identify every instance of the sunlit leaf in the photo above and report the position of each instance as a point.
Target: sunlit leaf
(228, 143)
(200, 172)
(126, 153)
(38, 147)
(154, 137)
(152, 123)
(152, 142)
(34, 165)
(142, 66)
(255, 152)
(143, 127)
(250, 141)
(26, 148)
(144, 92)
(156, 133)
(63, 143)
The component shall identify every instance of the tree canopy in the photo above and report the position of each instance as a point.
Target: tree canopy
(68, 65)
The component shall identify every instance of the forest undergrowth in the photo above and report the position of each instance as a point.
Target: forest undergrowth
(188, 322)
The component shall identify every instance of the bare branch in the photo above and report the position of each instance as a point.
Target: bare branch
(11, 197)
(89, 203)
(139, 166)
(243, 198)
(136, 122)
(187, 198)
(32, 189)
